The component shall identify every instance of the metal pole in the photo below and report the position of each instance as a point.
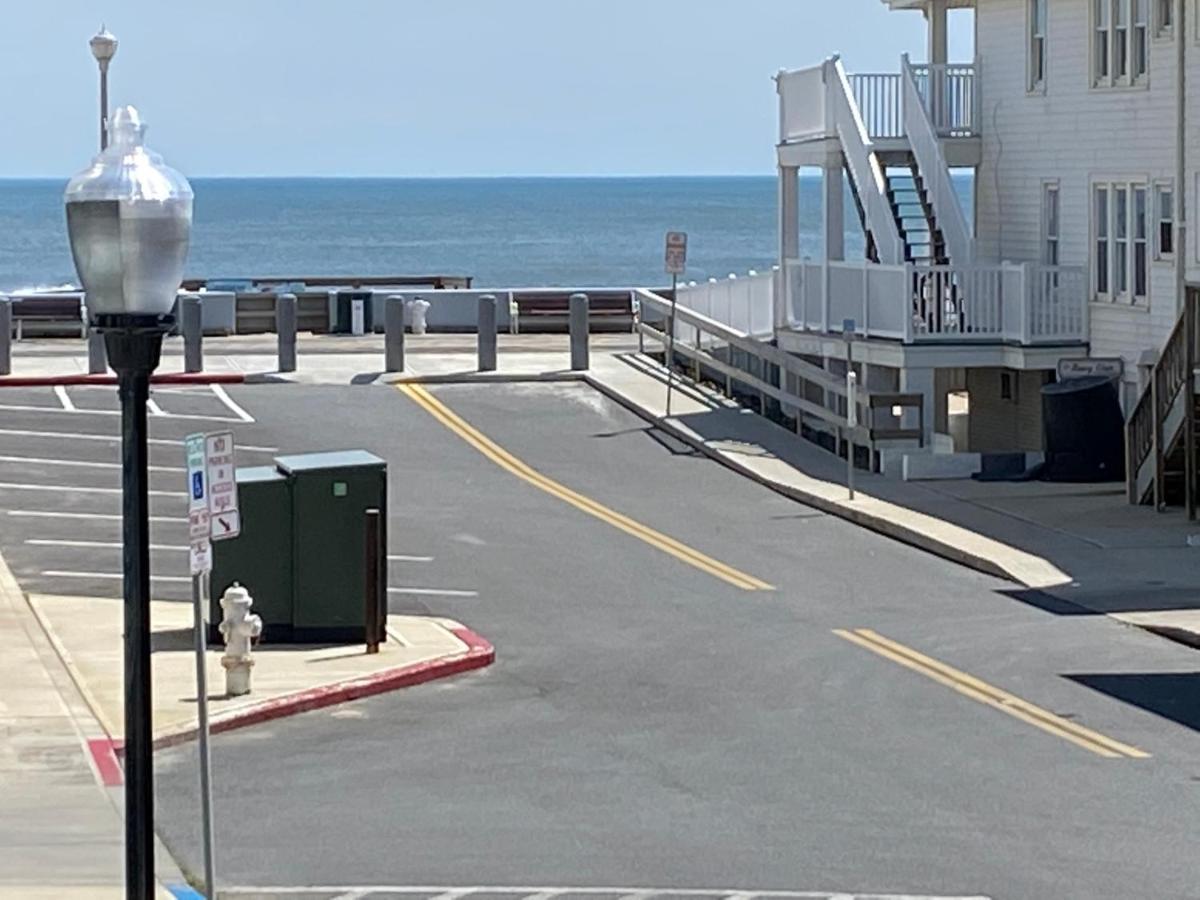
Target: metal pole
(103, 104)
(5, 336)
(487, 333)
(206, 799)
(393, 333)
(851, 416)
(285, 325)
(579, 331)
(135, 353)
(371, 612)
(671, 339)
(193, 332)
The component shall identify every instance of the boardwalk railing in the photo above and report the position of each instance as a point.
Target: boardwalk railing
(1004, 302)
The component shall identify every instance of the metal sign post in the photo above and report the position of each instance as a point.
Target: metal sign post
(848, 327)
(200, 556)
(676, 265)
(212, 516)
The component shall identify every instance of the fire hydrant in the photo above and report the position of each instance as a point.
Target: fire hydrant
(239, 627)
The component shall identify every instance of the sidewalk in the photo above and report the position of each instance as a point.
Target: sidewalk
(61, 830)
(286, 679)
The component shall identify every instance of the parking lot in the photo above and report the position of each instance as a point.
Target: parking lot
(60, 483)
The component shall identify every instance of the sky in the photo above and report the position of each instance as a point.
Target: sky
(433, 87)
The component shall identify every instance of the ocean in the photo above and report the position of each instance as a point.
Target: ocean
(512, 232)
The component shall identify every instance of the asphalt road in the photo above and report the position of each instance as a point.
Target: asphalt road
(649, 724)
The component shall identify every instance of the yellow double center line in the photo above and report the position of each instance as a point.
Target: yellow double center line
(984, 693)
(510, 463)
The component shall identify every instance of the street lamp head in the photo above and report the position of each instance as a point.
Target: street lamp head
(129, 220)
(104, 46)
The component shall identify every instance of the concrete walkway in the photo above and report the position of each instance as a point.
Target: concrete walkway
(61, 830)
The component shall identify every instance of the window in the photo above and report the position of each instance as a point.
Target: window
(1120, 41)
(1121, 224)
(1050, 225)
(1166, 16)
(1164, 215)
(1037, 44)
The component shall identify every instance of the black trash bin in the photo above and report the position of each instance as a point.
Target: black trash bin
(1084, 430)
(345, 314)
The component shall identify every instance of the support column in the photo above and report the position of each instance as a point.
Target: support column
(920, 381)
(833, 211)
(789, 238)
(937, 46)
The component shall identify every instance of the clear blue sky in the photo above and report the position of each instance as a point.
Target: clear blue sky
(432, 87)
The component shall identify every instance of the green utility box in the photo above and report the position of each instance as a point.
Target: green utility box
(302, 552)
(260, 558)
(331, 493)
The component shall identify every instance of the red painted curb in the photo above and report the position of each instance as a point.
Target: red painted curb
(162, 378)
(104, 758)
(479, 653)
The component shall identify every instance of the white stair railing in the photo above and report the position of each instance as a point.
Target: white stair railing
(863, 164)
(931, 163)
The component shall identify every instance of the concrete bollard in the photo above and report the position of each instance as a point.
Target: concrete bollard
(5, 336)
(97, 353)
(579, 332)
(393, 333)
(487, 333)
(191, 325)
(285, 327)
(418, 314)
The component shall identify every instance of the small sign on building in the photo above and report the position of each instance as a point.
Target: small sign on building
(676, 252)
(1113, 367)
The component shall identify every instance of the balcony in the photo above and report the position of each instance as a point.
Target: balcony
(949, 93)
(1005, 303)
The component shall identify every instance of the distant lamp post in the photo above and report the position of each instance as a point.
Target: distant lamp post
(129, 218)
(104, 48)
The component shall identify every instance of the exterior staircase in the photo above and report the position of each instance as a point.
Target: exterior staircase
(1162, 434)
(914, 214)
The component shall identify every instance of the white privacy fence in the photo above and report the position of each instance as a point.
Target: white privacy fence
(1004, 302)
(745, 304)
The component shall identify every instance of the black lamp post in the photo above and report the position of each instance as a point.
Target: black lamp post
(129, 218)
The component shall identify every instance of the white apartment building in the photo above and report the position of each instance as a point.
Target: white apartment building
(1070, 118)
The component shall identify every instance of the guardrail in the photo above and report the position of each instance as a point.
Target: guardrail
(699, 337)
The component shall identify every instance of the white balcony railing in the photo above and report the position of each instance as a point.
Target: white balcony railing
(746, 304)
(1018, 303)
(949, 93)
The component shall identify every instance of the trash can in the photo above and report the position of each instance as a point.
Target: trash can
(354, 313)
(260, 558)
(330, 494)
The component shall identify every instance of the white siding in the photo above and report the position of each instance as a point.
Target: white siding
(1074, 134)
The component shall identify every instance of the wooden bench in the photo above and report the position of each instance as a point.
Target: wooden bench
(550, 310)
(62, 313)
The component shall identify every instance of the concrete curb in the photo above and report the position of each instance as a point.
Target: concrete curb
(486, 378)
(479, 654)
(78, 380)
(858, 516)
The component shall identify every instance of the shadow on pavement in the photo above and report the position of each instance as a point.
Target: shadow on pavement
(1172, 695)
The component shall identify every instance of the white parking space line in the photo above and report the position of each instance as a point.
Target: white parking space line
(224, 397)
(111, 412)
(103, 517)
(115, 576)
(80, 463)
(115, 545)
(154, 409)
(110, 439)
(397, 557)
(75, 489)
(61, 393)
(432, 592)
